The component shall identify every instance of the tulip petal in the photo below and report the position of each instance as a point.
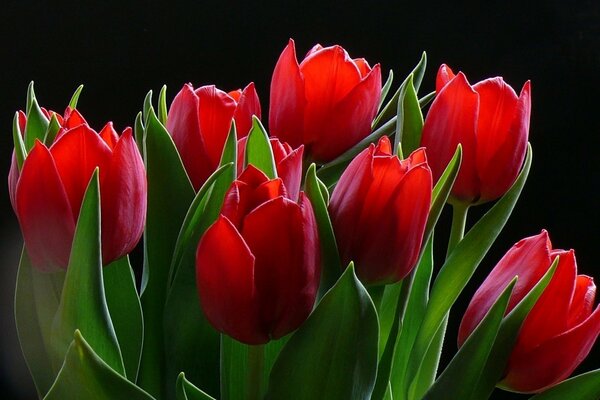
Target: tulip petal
(225, 279)
(248, 105)
(554, 360)
(539, 326)
(451, 120)
(123, 196)
(582, 302)
(529, 259)
(502, 131)
(44, 212)
(216, 109)
(13, 179)
(289, 170)
(184, 126)
(444, 75)
(73, 118)
(363, 66)
(284, 271)
(349, 121)
(76, 154)
(287, 102)
(109, 135)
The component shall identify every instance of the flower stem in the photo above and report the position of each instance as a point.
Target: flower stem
(459, 221)
(256, 364)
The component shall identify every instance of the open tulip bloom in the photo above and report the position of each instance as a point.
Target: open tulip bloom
(292, 261)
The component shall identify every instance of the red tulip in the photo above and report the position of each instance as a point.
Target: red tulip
(327, 102)
(71, 119)
(199, 122)
(561, 328)
(379, 209)
(257, 266)
(288, 163)
(490, 122)
(52, 183)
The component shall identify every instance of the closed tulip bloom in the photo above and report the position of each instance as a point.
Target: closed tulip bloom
(492, 124)
(561, 328)
(379, 209)
(257, 266)
(52, 184)
(327, 102)
(288, 163)
(199, 121)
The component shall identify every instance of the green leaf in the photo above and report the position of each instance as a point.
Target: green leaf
(331, 265)
(441, 191)
(75, 97)
(258, 149)
(389, 111)
(20, 152)
(415, 308)
(83, 303)
(462, 374)
(185, 390)
(409, 121)
(53, 128)
(386, 88)
(147, 106)
(37, 297)
(125, 312)
(84, 375)
(460, 266)
(30, 96)
(245, 369)
(169, 196)
(189, 333)
(138, 132)
(162, 105)
(423, 101)
(507, 336)
(333, 355)
(330, 173)
(37, 123)
(581, 387)
(230, 155)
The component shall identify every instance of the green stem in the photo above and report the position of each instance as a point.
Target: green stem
(256, 364)
(459, 221)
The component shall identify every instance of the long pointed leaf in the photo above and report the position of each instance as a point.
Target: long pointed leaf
(84, 375)
(461, 375)
(581, 387)
(459, 267)
(83, 304)
(409, 121)
(258, 149)
(185, 390)
(37, 123)
(333, 355)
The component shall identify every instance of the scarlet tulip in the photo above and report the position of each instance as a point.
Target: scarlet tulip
(257, 266)
(52, 183)
(379, 209)
(490, 122)
(327, 102)
(561, 328)
(288, 163)
(199, 122)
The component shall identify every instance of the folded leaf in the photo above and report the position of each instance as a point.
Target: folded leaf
(185, 390)
(581, 387)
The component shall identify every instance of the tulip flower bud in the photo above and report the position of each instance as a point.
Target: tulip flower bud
(561, 328)
(490, 122)
(199, 122)
(288, 163)
(257, 266)
(379, 209)
(327, 102)
(52, 183)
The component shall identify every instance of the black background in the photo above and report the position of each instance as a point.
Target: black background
(121, 50)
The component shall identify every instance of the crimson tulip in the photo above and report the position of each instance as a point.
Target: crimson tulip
(52, 184)
(327, 102)
(288, 163)
(490, 122)
(379, 209)
(199, 122)
(561, 328)
(257, 266)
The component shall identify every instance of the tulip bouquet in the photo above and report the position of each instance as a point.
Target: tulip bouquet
(294, 262)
